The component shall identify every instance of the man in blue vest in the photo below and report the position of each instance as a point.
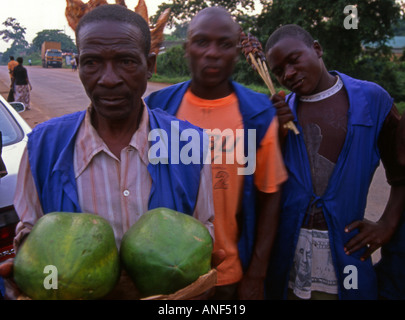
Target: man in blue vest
(97, 160)
(246, 201)
(346, 125)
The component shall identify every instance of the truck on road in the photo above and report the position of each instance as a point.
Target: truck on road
(51, 54)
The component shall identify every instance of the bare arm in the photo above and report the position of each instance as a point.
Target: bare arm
(252, 284)
(401, 140)
(373, 235)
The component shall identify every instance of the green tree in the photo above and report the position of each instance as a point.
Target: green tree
(14, 32)
(183, 10)
(67, 43)
(325, 21)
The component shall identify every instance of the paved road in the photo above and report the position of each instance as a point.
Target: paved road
(59, 91)
(55, 92)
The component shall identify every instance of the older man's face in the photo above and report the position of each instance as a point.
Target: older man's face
(113, 67)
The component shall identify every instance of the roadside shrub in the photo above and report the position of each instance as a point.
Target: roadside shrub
(172, 63)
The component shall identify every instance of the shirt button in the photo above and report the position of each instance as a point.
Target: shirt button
(126, 193)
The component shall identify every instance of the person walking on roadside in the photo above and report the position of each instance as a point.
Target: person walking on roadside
(11, 65)
(22, 84)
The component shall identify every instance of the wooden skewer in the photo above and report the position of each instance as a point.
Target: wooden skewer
(261, 68)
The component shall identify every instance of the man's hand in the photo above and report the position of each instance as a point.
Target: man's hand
(217, 258)
(6, 268)
(251, 288)
(6, 271)
(284, 113)
(372, 235)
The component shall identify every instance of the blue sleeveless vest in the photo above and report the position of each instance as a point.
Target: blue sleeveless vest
(257, 113)
(344, 200)
(50, 150)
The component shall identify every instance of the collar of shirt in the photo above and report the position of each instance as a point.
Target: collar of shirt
(89, 143)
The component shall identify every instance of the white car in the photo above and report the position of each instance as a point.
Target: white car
(14, 132)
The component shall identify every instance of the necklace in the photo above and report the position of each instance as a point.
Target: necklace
(324, 94)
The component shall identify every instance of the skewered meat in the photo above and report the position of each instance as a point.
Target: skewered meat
(76, 9)
(142, 10)
(157, 31)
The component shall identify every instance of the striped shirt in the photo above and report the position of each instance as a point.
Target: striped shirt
(115, 189)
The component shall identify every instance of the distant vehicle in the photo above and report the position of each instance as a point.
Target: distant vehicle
(14, 139)
(51, 54)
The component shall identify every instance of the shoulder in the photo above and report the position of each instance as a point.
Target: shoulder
(370, 89)
(242, 91)
(161, 119)
(256, 108)
(160, 97)
(252, 103)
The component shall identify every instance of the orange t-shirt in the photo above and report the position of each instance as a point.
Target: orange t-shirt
(223, 114)
(11, 65)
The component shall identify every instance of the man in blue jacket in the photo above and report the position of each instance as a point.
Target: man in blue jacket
(324, 243)
(246, 195)
(98, 160)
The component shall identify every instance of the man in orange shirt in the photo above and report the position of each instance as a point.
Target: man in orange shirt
(246, 193)
(11, 65)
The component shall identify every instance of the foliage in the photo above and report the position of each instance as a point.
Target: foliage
(180, 32)
(161, 78)
(324, 20)
(14, 32)
(401, 107)
(67, 43)
(244, 73)
(172, 62)
(388, 74)
(184, 10)
(399, 27)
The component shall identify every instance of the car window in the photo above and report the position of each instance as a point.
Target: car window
(10, 129)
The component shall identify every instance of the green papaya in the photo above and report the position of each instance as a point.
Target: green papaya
(68, 256)
(165, 251)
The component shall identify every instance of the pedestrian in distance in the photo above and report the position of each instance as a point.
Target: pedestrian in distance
(22, 84)
(10, 66)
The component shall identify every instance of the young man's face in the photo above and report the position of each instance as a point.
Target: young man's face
(296, 66)
(113, 67)
(212, 50)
